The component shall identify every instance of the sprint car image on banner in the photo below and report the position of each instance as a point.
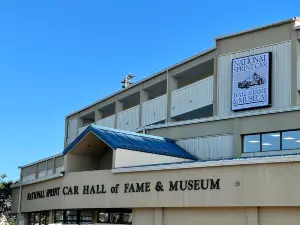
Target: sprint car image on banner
(251, 84)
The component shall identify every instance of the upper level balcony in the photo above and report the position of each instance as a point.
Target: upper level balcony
(46, 168)
(194, 100)
(183, 93)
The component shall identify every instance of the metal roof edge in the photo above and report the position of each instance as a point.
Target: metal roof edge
(217, 118)
(145, 79)
(206, 164)
(258, 28)
(36, 181)
(40, 160)
(133, 133)
(94, 129)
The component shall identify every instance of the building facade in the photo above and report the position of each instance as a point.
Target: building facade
(213, 139)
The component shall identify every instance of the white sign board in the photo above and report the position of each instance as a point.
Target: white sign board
(251, 84)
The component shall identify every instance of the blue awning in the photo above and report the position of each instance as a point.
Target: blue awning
(115, 139)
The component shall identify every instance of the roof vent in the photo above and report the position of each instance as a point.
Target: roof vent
(127, 80)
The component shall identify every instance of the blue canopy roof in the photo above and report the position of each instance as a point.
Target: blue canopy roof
(115, 138)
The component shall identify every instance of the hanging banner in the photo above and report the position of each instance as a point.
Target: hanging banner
(251, 82)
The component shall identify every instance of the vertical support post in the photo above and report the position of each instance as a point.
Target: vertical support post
(119, 108)
(20, 218)
(295, 57)
(253, 216)
(46, 168)
(36, 171)
(98, 115)
(143, 98)
(172, 84)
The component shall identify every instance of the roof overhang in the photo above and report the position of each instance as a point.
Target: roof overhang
(119, 139)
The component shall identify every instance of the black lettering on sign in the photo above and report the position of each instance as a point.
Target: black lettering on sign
(86, 189)
(215, 185)
(202, 184)
(173, 186)
(92, 191)
(136, 187)
(52, 192)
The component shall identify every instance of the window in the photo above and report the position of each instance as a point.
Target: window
(291, 140)
(38, 218)
(71, 217)
(275, 141)
(270, 142)
(59, 216)
(115, 216)
(86, 216)
(252, 143)
(44, 217)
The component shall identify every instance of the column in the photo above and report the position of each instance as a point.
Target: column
(172, 84)
(95, 216)
(237, 138)
(98, 115)
(119, 108)
(143, 98)
(51, 216)
(253, 216)
(215, 85)
(158, 216)
(295, 59)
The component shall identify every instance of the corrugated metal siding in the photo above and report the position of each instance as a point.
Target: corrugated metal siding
(72, 130)
(154, 110)
(211, 147)
(42, 169)
(128, 119)
(28, 173)
(50, 167)
(281, 76)
(80, 130)
(59, 164)
(107, 122)
(193, 96)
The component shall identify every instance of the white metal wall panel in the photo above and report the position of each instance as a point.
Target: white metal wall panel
(28, 173)
(154, 110)
(80, 130)
(193, 96)
(107, 122)
(128, 119)
(281, 76)
(42, 169)
(50, 167)
(211, 147)
(72, 130)
(59, 164)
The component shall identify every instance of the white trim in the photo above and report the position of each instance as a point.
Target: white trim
(217, 118)
(258, 28)
(232, 162)
(251, 49)
(37, 180)
(41, 160)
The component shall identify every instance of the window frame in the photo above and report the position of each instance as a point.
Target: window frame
(117, 210)
(39, 221)
(63, 214)
(84, 221)
(269, 132)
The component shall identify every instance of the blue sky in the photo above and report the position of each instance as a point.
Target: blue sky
(58, 56)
